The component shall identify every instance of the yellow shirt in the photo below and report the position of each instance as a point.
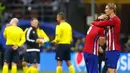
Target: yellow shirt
(63, 33)
(41, 34)
(14, 35)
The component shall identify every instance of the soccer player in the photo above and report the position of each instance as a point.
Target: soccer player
(112, 36)
(63, 38)
(91, 47)
(14, 38)
(34, 38)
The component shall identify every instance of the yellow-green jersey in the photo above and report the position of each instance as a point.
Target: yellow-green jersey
(41, 34)
(63, 33)
(14, 35)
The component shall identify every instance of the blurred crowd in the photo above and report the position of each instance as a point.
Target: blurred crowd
(42, 9)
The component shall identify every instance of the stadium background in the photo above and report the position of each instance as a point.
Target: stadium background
(78, 14)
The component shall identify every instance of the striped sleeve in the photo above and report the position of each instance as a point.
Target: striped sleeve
(28, 35)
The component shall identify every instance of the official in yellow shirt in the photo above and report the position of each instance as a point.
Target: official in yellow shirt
(15, 38)
(34, 38)
(63, 40)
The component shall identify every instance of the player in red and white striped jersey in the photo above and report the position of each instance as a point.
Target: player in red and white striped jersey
(112, 36)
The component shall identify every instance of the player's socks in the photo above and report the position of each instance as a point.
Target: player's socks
(33, 70)
(14, 69)
(25, 68)
(5, 69)
(71, 68)
(59, 69)
(37, 70)
(28, 70)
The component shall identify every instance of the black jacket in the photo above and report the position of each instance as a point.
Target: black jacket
(31, 37)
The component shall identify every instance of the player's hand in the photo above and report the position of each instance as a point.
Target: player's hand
(53, 42)
(38, 41)
(100, 50)
(15, 47)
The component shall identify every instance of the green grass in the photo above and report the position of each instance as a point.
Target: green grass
(20, 71)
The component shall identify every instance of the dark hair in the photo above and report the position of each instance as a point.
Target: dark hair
(112, 6)
(33, 19)
(62, 15)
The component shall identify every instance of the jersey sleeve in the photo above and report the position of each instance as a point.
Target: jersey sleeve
(102, 32)
(57, 34)
(43, 35)
(22, 41)
(28, 36)
(103, 23)
(4, 33)
(102, 37)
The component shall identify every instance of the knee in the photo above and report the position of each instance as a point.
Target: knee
(59, 63)
(24, 64)
(35, 65)
(5, 63)
(14, 64)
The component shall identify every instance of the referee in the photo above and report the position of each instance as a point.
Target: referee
(63, 38)
(14, 38)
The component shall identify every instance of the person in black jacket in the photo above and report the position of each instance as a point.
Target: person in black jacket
(34, 38)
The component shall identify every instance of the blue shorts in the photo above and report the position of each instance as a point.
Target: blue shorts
(32, 57)
(112, 58)
(11, 55)
(91, 62)
(63, 52)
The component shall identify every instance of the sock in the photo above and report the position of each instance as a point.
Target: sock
(59, 69)
(71, 68)
(28, 70)
(25, 68)
(5, 69)
(14, 69)
(33, 70)
(37, 70)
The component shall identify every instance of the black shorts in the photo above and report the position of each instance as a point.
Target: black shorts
(11, 55)
(63, 52)
(32, 57)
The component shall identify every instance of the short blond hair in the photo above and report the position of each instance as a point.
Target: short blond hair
(112, 6)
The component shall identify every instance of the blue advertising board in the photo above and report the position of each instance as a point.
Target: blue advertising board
(48, 62)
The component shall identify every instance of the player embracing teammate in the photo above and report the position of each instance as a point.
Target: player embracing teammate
(112, 29)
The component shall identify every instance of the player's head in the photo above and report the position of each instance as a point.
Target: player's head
(110, 8)
(34, 22)
(105, 17)
(60, 17)
(14, 21)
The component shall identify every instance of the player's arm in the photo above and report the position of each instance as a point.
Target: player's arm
(44, 36)
(22, 41)
(57, 34)
(103, 23)
(102, 37)
(28, 36)
(5, 33)
(71, 35)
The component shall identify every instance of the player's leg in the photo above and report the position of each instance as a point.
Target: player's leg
(66, 49)
(59, 56)
(111, 60)
(7, 57)
(91, 63)
(25, 62)
(15, 59)
(34, 61)
(25, 66)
